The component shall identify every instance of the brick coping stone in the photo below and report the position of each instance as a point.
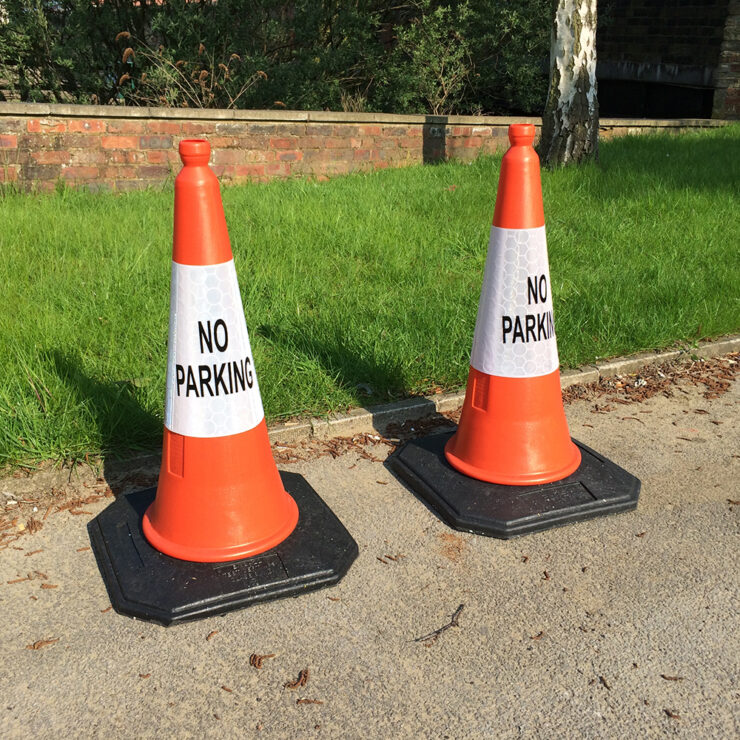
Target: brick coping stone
(63, 110)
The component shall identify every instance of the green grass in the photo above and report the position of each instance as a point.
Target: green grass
(364, 282)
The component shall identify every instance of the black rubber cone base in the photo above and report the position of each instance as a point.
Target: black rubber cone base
(597, 487)
(143, 582)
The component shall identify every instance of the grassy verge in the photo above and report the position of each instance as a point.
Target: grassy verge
(357, 290)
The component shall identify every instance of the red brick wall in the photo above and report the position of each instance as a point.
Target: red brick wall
(119, 149)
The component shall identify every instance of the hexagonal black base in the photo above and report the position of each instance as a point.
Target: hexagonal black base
(597, 487)
(143, 582)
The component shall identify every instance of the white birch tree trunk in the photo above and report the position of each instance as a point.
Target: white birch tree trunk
(570, 123)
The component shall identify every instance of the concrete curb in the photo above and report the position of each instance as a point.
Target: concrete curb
(377, 418)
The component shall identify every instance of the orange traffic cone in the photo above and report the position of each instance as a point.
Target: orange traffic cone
(512, 428)
(511, 466)
(220, 499)
(219, 495)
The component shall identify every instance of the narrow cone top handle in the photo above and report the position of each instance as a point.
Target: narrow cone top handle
(521, 134)
(519, 196)
(195, 152)
(200, 234)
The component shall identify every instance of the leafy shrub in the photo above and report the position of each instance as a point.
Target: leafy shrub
(420, 56)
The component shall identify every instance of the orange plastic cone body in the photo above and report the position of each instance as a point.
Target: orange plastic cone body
(513, 430)
(219, 498)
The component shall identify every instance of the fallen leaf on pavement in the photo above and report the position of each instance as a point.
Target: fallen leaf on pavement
(42, 643)
(302, 680)
(255, 660)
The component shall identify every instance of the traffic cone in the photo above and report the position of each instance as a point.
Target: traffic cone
(512, 427)
(511, 466)
(220, 498)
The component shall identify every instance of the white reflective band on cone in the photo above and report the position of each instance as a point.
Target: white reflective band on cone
(212, 387)
(515, 333)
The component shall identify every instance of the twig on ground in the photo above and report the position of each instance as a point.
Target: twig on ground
(432, 637)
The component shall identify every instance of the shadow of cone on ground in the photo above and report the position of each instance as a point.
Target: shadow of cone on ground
(339, 360)
(113, 404)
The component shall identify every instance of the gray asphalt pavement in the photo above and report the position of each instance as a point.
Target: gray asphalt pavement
(623, 626)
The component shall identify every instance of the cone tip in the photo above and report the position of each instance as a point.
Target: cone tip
(195, 151)
(521, 134)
